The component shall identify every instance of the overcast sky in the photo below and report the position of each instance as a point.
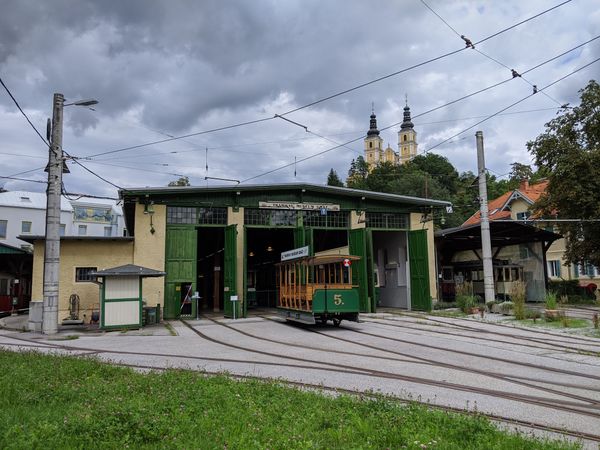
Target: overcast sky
(172, 68)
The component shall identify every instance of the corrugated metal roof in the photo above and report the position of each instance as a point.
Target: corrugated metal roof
(33, 200)
(274, 187)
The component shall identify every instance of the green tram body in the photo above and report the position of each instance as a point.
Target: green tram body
(317, 289)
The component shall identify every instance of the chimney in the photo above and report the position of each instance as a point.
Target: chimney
(524, 185)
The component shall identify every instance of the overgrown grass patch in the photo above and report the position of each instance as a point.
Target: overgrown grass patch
(571, 323)
(449, 313)
(63, 402)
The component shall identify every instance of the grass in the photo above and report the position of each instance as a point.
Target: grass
(443, 313)
(572, 323)
(52, 402)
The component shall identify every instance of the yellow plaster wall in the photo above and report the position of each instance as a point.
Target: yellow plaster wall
(101, 254)
(149, 250)
(415, 224)
(518, 206)
(237, 218)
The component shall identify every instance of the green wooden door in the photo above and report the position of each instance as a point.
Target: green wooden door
(420, 297)
(358, 246)
(180, 265)
(299, 237)
(229, 271)
(370, 276)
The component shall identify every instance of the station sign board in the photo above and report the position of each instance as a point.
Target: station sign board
(295, 253)
(299, 206)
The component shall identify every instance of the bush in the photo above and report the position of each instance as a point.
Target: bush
(489, 305)
(506, 307)
(444, 305)
(564, 287)
(518, 294)
(551, 300)
(466, 302)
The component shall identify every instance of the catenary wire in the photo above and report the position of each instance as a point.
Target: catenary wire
(485, 54)
(437, 145)
(329, 97)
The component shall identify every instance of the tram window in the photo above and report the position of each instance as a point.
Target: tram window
(515, 274)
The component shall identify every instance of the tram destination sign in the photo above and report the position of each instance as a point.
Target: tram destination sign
(299, 206)
(293, 254)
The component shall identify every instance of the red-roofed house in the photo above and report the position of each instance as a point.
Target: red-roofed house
(516, 205)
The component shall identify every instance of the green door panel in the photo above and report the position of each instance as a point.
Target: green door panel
(420, 296)
(357, 243)
(180, 266)
(229, 271)
(370, 277)
(299, 237)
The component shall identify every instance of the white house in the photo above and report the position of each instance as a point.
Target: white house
(24, 213)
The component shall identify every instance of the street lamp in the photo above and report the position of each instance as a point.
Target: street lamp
(53, 193)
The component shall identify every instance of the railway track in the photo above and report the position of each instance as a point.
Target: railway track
(589, 409)
(546, 344)
(571, 407)
(559, 337)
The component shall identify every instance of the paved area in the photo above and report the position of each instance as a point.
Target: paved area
(544, 377)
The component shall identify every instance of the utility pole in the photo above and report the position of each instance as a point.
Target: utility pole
(53, 193)
(486, 243)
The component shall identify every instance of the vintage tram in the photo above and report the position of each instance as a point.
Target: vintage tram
(315, 289)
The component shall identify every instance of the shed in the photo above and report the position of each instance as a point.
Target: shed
(121, 295)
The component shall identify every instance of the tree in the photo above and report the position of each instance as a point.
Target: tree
(333, 179)
(182, 181)
(357, 175)
(569, 151)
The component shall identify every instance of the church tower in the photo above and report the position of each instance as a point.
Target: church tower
(407, 138)
(373, 144)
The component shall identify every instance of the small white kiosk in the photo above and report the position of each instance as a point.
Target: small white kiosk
(121, 295)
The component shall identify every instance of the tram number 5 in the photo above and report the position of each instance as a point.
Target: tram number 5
(337, 299)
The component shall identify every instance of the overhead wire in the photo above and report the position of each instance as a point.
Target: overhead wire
(486, 55)
(329, 97)
(433, 109)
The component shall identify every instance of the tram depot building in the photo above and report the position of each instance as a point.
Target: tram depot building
(219, 246)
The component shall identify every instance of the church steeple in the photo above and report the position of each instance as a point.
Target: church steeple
(373, 142)
(373, 131)
(407, 137)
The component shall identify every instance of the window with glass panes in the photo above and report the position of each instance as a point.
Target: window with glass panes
(386, 220)
(554, 268)
(270, 217)
(186, 215)
(332, 219)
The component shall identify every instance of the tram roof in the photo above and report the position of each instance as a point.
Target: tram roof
(320, 259)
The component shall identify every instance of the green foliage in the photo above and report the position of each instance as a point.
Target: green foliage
(58, 402)
(444, 305)
(506, 307)
(565, 287)
(518, 294)
(357, 175)
(466, 302)
(569, 151)
(182, 181)
(551, 300)
(489, 305)
(333, 179)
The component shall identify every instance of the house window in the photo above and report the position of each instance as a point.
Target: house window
(82, 274)
(554, 269)
(82, 230)
(523, 215)
(3, 226)
(405, 138)
(107, 231)
(62, 229)
(25, 227)
(370, 145)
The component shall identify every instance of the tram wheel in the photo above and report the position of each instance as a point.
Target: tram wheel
(336, 322)
(323, 320)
